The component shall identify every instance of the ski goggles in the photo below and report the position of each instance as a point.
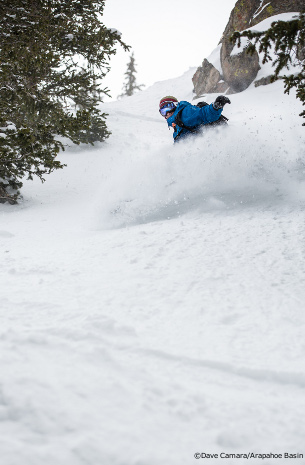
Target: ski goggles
(169, 107)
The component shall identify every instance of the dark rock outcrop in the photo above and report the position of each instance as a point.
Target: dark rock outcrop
(239, 70)
(206, 79)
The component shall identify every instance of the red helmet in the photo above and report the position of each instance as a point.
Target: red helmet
(166, 100)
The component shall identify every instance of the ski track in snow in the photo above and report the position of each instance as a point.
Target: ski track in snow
(152, 295)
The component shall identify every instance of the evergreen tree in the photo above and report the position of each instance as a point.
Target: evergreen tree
(130, 85)
(288, 40)
(53, 56)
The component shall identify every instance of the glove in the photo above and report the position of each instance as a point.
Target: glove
(220, 102)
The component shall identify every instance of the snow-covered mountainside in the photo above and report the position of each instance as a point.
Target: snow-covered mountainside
(152, 295)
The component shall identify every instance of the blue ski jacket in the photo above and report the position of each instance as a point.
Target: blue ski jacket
(193, 117)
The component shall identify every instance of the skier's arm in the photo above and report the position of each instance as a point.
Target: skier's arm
(193, 116)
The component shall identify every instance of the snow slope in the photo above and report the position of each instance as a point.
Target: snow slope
(152, 295)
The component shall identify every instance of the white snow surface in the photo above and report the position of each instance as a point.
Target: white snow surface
(152, 295)
(214, 58)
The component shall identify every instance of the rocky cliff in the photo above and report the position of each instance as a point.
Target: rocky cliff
(235, 73)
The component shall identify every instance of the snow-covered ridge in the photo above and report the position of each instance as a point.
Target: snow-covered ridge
(214, 58)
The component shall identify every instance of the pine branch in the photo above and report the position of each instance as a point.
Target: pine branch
(53, 57)
(287, 38)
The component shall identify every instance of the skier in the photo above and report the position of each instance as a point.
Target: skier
(186, 118)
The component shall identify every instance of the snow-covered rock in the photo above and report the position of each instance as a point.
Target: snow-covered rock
(237, 68)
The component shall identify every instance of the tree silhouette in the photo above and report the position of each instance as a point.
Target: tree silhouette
(130, 85)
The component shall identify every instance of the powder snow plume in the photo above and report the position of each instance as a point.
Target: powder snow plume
(248, 161)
